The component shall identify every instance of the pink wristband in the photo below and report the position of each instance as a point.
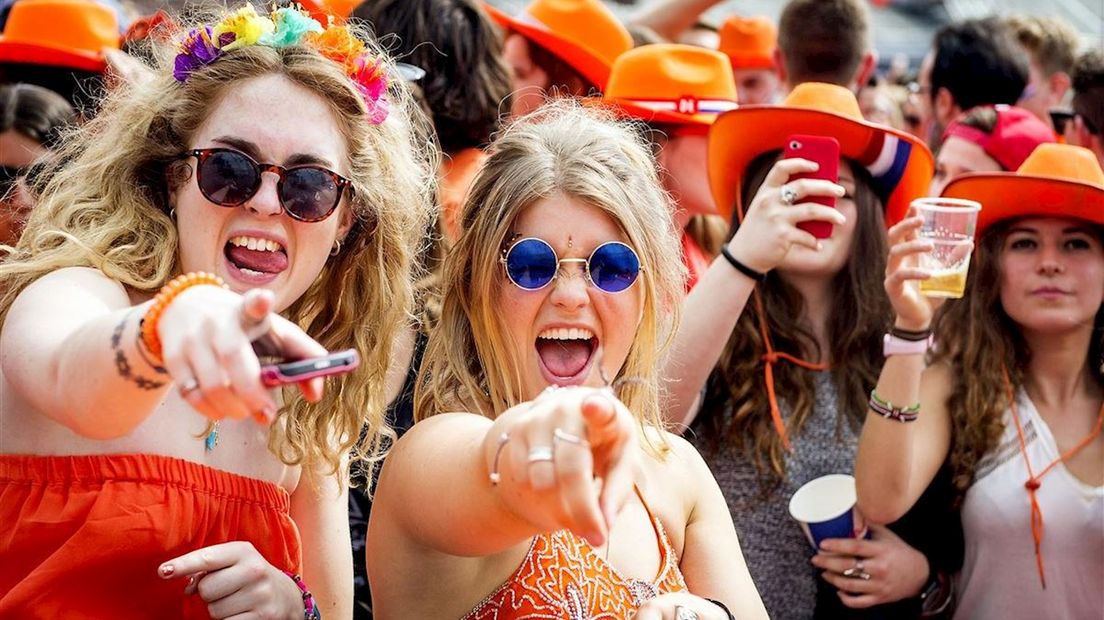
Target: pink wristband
(310, 612)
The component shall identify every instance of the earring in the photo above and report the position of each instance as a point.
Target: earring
(336, 248)
(172, 214)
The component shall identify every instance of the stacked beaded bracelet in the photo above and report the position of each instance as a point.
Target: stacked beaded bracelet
(310, 610)
(148, 325)
(886, 409)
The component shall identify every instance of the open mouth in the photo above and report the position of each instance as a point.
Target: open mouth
(566, 354)
(255, 257)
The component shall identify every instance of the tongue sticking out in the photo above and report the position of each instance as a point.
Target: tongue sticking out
(257, 260)
(564, 358)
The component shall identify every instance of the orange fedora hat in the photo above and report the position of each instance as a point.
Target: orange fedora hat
(1056, 180)
(900, 164)
(671, 83)
(62, 33)
(749, 42)
(583, 33)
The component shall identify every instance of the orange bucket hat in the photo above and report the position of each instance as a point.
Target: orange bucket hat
(671, 83)
(583, 33)
(62, 33)
(749, 42)
(1056, 180)
(901, 165)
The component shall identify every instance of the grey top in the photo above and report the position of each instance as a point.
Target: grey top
(776, 551)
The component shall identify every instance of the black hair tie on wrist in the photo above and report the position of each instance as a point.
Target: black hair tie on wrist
(742, 268)
(722, 606)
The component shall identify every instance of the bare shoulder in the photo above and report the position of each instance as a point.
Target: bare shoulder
(77, 284)
(682, 472)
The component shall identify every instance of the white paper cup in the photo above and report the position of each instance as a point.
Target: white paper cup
(825, 508)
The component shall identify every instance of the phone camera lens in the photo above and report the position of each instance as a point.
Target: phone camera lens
(794, 145)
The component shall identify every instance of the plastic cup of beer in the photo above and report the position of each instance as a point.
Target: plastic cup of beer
(949, 223)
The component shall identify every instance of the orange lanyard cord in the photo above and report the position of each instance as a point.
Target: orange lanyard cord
(1035, 481)
(769, 359)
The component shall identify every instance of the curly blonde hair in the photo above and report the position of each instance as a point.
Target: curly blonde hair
(583, 154)
(105, 204)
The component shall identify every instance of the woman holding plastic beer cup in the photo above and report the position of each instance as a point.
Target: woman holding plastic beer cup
(1013, 398)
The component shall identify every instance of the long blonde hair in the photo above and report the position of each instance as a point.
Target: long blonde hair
(105, 204)
(583, 154)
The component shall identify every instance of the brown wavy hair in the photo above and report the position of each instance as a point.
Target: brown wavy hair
(977, 339)
(105, 205)
(562, 148)
(735, 410)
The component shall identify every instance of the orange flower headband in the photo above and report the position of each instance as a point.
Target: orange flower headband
(287, 27)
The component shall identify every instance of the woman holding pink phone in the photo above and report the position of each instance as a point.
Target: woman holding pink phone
(145, 471)
(779, 401)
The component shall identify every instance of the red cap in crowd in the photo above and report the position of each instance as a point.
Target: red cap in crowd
(1016, 134)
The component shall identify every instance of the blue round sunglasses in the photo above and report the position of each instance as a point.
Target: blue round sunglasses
(531, 264)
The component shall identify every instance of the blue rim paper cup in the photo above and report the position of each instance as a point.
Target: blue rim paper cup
(825, 508)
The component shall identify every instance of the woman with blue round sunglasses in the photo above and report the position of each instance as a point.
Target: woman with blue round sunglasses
(532, 264)
(558, 495)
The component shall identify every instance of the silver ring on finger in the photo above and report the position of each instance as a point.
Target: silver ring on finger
(685, 613)
(558, 434)
(187, 387)
(540, 454)
(856, 572)
(789, 195)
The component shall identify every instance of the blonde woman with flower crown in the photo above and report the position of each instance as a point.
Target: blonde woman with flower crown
(263, 187)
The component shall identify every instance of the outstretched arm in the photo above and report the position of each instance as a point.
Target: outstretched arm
(554, 449)
(70, 347)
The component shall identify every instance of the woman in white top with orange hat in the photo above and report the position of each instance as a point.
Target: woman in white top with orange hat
(1014, 393)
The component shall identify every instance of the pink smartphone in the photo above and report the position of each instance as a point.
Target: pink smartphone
(826, 152)
(298, 371)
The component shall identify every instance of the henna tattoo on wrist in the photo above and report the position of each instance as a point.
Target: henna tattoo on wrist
(122, 364)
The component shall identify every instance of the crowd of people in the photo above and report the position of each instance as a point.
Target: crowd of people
(425, 309)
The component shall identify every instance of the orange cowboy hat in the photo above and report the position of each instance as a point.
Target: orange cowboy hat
(62, 33)
(901, 165)
(671, 83)
(1056, 180)
(749, 42)
(322, 10)
(582, 33)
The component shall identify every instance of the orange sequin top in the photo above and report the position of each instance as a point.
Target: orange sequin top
(563, 577)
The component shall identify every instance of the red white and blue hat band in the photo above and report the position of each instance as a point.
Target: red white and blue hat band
(684, 105)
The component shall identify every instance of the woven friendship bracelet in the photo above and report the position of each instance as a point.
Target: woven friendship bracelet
(886, 409)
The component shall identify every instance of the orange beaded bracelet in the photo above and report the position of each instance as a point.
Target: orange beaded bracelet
(148, 325)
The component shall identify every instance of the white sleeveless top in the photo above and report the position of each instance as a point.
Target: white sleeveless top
(999, 577)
